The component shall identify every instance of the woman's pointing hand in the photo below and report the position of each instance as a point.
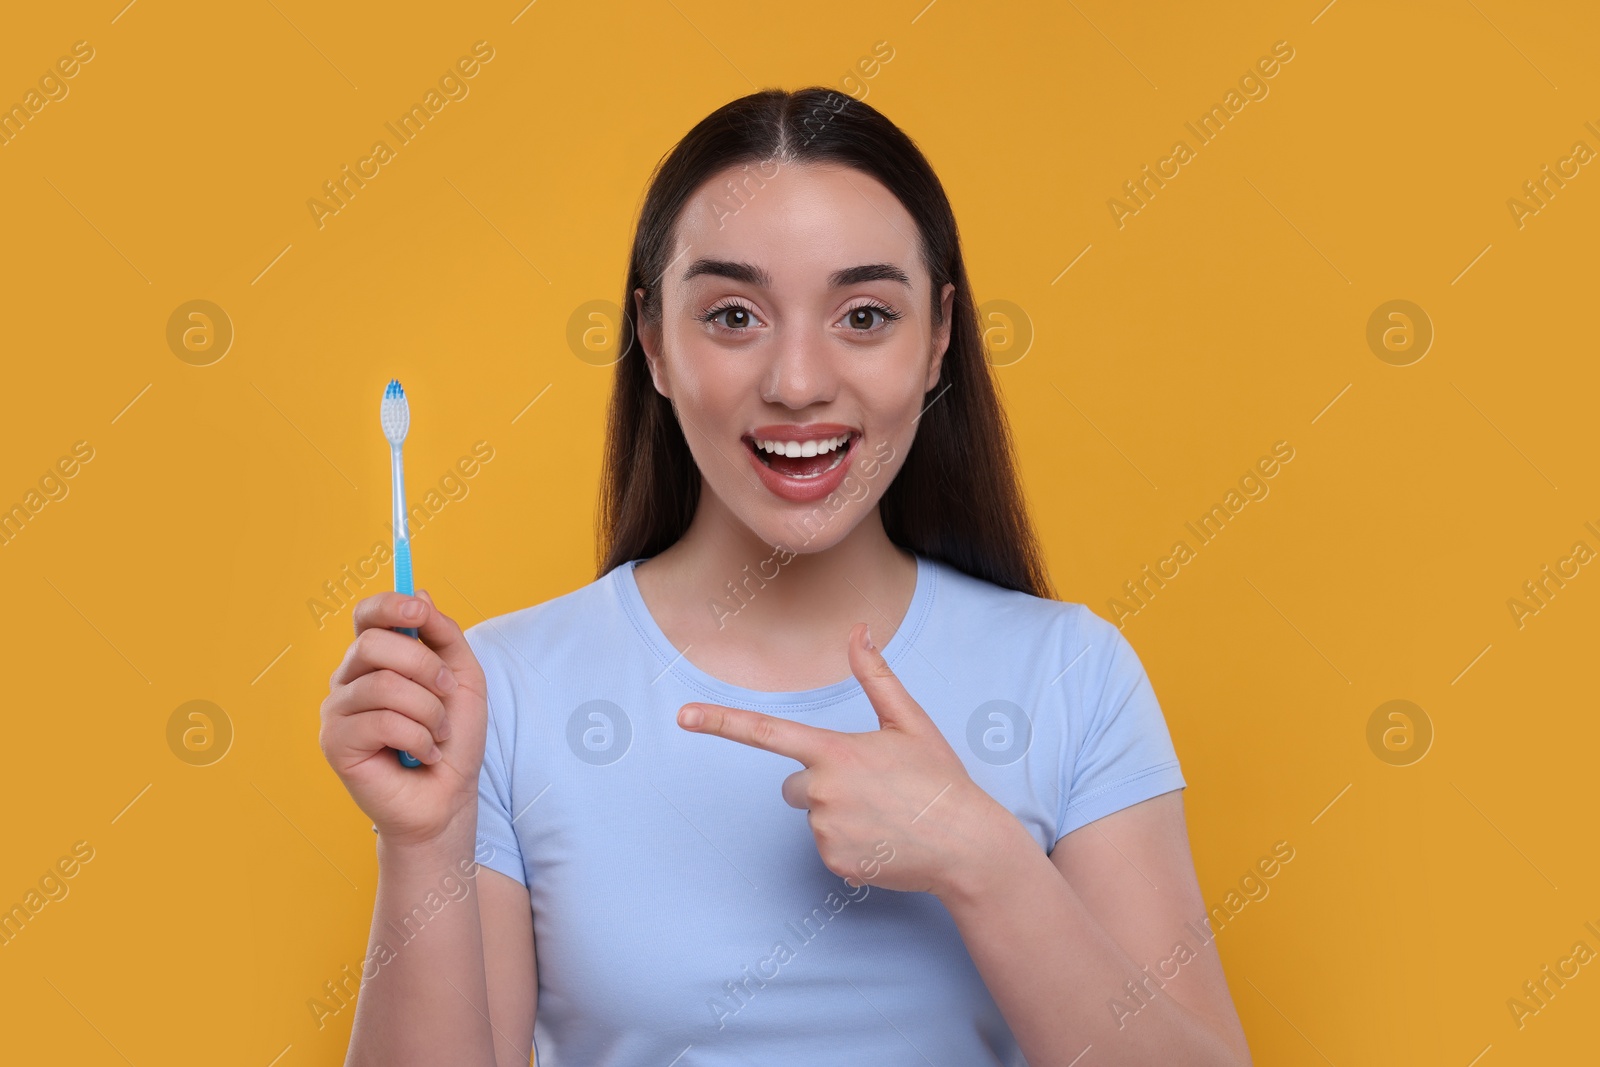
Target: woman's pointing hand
(900, 786)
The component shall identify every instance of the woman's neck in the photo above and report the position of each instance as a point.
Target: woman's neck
(775, 618)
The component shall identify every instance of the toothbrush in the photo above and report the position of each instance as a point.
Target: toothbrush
(396, 417)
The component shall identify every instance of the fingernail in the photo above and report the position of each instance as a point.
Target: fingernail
(423, 593)
(691, 717)
(446, 679)
(866, 635)
(444, 728)
(413, 608)
(434, 754)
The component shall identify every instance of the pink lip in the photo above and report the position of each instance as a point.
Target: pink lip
(790, 431)
(802, 490)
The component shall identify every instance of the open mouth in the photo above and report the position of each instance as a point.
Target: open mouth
(825, 455)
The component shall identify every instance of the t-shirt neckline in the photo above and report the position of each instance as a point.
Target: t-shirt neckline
(720, 692)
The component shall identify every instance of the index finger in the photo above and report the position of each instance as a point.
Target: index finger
(808, 744)
(388, 609)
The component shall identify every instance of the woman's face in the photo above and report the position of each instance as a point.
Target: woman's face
(796, 317)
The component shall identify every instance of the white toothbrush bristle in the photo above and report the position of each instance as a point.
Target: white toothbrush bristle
(395, 413)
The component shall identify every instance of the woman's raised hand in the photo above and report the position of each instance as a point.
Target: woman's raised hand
(426, 696)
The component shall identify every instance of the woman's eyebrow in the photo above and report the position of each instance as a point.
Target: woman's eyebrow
(757, 276)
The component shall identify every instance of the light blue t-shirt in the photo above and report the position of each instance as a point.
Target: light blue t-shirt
(681, 912)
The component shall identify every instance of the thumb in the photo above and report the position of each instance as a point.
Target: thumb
(442, 634)
(894, 705)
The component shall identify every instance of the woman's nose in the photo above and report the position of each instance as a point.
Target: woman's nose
(801, 372)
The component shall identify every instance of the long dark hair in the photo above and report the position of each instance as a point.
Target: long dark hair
(956, 497)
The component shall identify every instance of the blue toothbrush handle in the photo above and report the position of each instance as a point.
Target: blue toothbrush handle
(402, 584)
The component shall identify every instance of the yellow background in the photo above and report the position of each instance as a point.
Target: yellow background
(1228, 314)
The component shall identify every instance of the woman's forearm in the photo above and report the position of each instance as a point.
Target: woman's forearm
(424, 997)
(1051, 968)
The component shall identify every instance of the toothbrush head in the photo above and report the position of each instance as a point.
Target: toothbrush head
(395, 413)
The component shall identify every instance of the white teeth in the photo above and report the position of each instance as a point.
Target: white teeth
(806, 448)
(836, 461)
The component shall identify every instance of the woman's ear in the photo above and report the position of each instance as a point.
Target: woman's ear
(650, 341)
(941, 336)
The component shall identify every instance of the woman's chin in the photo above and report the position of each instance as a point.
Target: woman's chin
(799, 528)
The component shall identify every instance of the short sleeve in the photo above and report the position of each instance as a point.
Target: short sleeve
(496, 847)
(1123, 752)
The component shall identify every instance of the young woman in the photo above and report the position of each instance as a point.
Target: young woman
(816, 771)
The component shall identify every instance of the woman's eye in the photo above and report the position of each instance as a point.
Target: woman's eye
(735, 317)
(860, 318)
